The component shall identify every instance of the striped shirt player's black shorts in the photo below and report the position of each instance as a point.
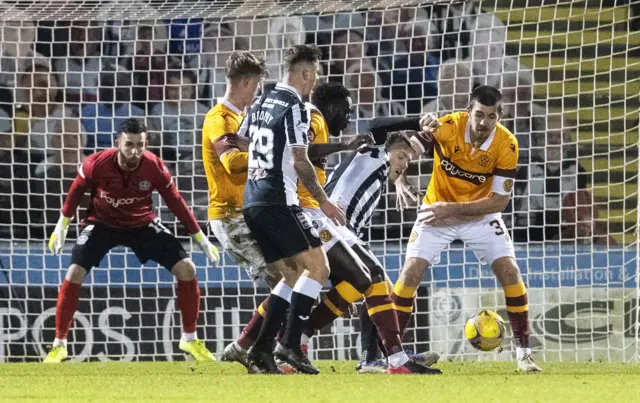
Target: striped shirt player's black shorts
(281, 231)
(151, 242)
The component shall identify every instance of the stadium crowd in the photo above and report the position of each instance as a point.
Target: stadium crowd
(65, 87)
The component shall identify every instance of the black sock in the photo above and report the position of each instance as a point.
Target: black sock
(299, 313)
(275, 315)
(283, 327)
(368, 336)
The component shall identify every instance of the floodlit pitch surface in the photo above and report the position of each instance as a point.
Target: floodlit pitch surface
(338, 382)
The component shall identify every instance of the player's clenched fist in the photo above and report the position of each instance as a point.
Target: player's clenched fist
(429, 123)
(207, 247)
(335, 213)
(56, 242)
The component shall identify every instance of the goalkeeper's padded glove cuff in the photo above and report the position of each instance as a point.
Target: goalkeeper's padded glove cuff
(199, 237)
(64, 221)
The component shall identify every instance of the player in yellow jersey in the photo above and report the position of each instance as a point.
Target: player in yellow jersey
(225, 163)
(475, 160)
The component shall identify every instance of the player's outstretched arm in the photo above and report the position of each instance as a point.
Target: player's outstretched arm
(317, 151)
(78, 188)
(382, 126)
(307, 175)
(172, 197)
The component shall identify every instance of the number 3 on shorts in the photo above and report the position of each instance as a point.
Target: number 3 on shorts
(497, 226)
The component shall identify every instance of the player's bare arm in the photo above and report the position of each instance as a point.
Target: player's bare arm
(444, 214)
(307, 175)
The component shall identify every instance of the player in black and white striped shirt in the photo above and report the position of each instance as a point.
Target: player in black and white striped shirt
(356, 186)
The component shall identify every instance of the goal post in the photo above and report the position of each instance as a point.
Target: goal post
(569, 72)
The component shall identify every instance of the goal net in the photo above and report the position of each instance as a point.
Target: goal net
(570, 75)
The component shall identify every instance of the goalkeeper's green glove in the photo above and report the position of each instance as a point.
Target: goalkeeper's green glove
(207, 247)
(56, 241)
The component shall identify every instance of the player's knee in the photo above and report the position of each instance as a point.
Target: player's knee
(315, 262)
(76, 274)
(362, 283)
(288, 272)
(413, 271)
(184, 270)
(506, 270)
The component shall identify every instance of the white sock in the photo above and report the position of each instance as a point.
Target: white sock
(239, 347)
(60, 342)
(520, 352)
(398, 359)
(189, 336)
(304, 340)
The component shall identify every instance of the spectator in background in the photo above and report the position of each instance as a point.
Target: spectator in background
(217, 44)
(522, 116)
(14, 183)
(414, 68)
(18, 39)
(79, 65)
(580, 220)
(283, 33)
(364, 84)
(541, 187)
(52, 132)
(348, 49)
(114, 105)
(147, 62)
(175, 126)
(455, 84)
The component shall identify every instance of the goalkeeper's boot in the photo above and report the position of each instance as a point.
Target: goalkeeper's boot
(233, 353)
(427, 358)
(56, 355)
(197, 349)
(527, 365)
(296, 358)
(411, 367)
(378, 366)
(263, 360)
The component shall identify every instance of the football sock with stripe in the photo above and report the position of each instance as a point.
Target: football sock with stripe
(276, 312)
(303, 297)
(517, 302)
(403, 298)
(382, 312)
(68, 300)
(332, 306)
(252, 330)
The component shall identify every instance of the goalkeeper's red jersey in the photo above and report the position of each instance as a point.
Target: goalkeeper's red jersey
(122, 199)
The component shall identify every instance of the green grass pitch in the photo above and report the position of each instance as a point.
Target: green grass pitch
(189, 382)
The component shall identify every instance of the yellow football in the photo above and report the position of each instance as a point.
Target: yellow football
(485, 330)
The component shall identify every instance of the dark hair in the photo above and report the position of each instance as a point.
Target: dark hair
(402, 138)
(487, 96)
(329, 92)
(242, 63)
(300, 54)
(132, 125)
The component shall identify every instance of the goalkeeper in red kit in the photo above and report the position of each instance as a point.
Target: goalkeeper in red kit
(121, 181)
